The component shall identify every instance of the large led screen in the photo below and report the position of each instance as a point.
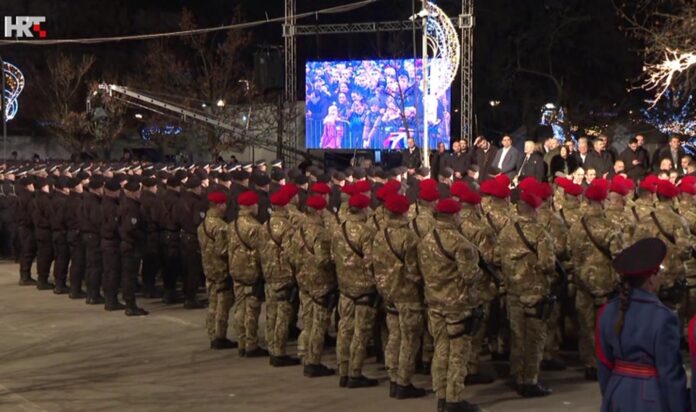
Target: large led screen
(371, 104)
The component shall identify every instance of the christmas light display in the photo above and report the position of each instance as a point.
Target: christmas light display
(659, 76)
(14, 84)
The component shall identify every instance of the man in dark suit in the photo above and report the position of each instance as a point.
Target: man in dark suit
(599, 159)
(484, 153)
(438, 159)
(673, 152)
(458, 161)
(635, 160)
(508, 159)
(532, 165)
(582, 153)
(411, 156)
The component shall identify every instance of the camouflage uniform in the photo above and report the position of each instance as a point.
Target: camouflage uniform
(316, 279)
(621, 217)
(244, 245)
(528, 278)
(480, 234)
(641, 209)
(356, 305)
(687, 209)
(595, 276)
(422, 224)
(678, 241)
(400, 284)
(452, 281)
(276, 239)
(212, 237)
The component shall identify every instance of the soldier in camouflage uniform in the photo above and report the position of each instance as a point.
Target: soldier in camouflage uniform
(243, 252)
(665, 224)
(452, 279)
(525, 251)
(645, 202)
(571, 211)
(280, 282)
(687, 209)
(395, 263)
(358, 300)
(316, 278)
(615, 208)
(212, 236)
(595, 240)
(481, 235)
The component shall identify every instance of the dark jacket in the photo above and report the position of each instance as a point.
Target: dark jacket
(109, 223)
(60, 212)
(131, 225)
(533, 166)
(484, 160)
(189, 212)
(635, 172)
(90, 214)
(601, 162)
(411, 160)
(41, 215)
(566, 166)
(25, 207)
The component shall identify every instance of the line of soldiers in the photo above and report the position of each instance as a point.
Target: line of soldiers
(437, 265)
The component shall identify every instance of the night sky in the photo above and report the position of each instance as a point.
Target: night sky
(579, 40)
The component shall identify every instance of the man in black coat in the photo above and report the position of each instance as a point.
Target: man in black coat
(484, 153)
(438, 159)
(635, 160)
(458, 161)
(508, 159)
(41, 217)
(673, 152)
(532, 164)
(599, 159)
(411, 156)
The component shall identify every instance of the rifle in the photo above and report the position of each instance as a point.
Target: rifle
(558, 266)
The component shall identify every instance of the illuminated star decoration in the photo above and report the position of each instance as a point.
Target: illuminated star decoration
(661, 75)
(14, 84)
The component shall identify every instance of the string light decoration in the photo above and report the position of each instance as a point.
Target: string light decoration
(659, 76)
(14, 84)
(675, 114)
(443, 42)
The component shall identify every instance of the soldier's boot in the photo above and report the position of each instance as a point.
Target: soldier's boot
(281, 361)
(533, 391)
(256, 353)
(77, 294)
(133, 310)
(361, 382)
(478, 379)
(27, 280)
(169, 297)
(150, 292)
(194, 304)
(553, 364)
(44, 284)
(61, 288)
(591, 374)
(112, 304)
(392, 389)
(409, 392)
(343, 381)
(441, 403)
(317, 371)
(462, 406)
(94, 300)
(222, 343)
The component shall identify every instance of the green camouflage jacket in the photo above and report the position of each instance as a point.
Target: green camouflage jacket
(316, 273)
(212, 237)
(353, 270)
(243, 248)
(276, 244)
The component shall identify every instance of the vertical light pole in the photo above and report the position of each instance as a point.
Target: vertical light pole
(2, 110)
(426, 149)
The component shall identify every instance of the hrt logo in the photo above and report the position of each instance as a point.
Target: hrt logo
(24, 26)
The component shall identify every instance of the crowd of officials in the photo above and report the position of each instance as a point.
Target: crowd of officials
(433, 268)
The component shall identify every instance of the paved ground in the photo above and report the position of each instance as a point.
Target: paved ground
(62, 355)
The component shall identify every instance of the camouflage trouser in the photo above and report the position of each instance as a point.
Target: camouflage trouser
(246, 317)
(354, 330)
(318, 324)
(405, 325)
(587, 318)
(527, 338)
(553, 336)
(305, 315)
(477, 342)
(427, 343)
(451, 356)
(278, 317)
(220, 301)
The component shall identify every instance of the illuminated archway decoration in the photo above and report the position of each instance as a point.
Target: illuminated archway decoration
(14, 84)
(445, 50)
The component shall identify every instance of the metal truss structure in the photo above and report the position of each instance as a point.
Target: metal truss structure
(291, 30)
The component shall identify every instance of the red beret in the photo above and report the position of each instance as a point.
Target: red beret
(667, 189)
(348, 189)
(448, 206)
(528, 182)
(280, 198)
(459, 187)
(495, 188)
(428, 193)
(217, 197)
(362, 186)
(602, 183)
(649, 183)
(530, 198)
(469, 196)
(572, 189)
(428, 183)
(291, 190)
(620, 185)
(597, 193)
(316, 202)
(503, 179)
(359, 201)
(545, 190)
(384, 192)
(320, 188)
(393, 185)
(562, 181)
(248, 198)
(688, 185)
(397, 204)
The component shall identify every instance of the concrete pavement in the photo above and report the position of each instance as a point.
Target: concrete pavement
(57, 354)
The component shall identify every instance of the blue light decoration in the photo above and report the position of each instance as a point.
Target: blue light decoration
(14, 84)
(554, 116)
(148, 132)
(675, 114)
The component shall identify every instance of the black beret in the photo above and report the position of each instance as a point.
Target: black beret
(181, 174)
(277, 174)
(26, 181)
(149, 182)
(193, 182)
(132, 186)
(339, 176)
(113, 185)
(301, 180)
(446, 173)
(224, 177)
(40, 182)
(83, 175)
(381, 174)
(423, 171)
(73, 182)
(323, 178)
(359, 173)
(173, 182)
(261, 180)
(96, 182)
(240, 175)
